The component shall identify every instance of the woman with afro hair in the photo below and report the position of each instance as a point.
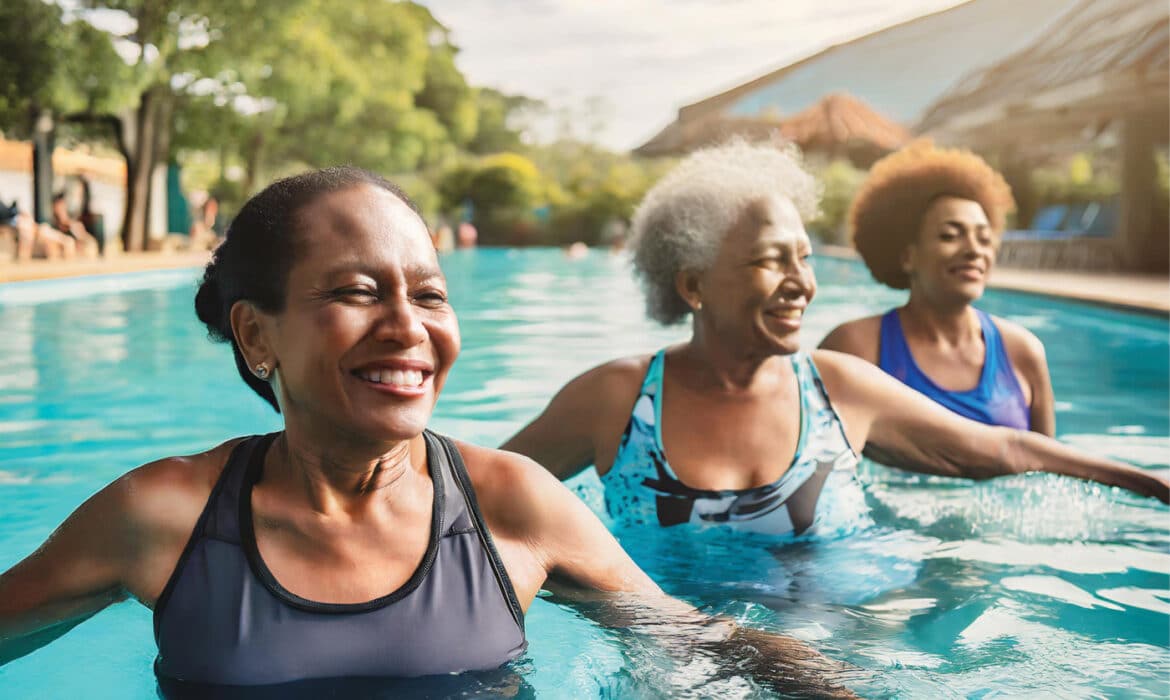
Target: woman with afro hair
(930, 220)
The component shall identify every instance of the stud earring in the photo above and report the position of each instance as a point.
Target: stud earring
(698, 305)
(262, 371)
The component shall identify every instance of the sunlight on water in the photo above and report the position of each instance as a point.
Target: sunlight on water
(1029, 586)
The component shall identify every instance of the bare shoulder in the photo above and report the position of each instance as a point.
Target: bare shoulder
(839, 367)
(172, 491)
(619, 376)
(607, 391)
(509, 488)
(860, 337)
(1023, 347)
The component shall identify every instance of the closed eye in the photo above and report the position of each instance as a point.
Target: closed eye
(357, 294)
(432, 298)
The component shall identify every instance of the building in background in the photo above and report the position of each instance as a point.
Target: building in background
(896, 72)
(1100, 77)
(1029, 85)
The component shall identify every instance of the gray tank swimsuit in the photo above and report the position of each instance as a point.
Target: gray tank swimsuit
(223, 619)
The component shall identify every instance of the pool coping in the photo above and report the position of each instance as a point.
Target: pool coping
(1145, 294)
(36, 270)
(1140, 293)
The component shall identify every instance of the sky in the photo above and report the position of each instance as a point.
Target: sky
(646, 58)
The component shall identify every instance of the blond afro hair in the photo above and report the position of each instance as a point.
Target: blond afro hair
(887, 212)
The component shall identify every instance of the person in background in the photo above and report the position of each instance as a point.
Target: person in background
(66, 224)
(465, 235)
(443, 238)
(33, 238)
(576, 250)
(930, 220)
(736, 428)
(354, 542)
(203, 234)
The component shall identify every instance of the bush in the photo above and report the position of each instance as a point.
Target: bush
(1075, 183)
(839, 181)
(500, 193)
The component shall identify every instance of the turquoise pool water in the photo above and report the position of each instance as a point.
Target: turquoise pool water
(1029, 586)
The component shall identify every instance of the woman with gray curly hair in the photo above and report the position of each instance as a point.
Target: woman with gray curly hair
(735, 427)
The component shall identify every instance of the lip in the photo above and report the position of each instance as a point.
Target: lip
(397, 363)
(426, 369)
(780, 317)
(968, 272)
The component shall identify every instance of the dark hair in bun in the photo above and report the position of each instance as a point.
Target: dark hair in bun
(254, 259)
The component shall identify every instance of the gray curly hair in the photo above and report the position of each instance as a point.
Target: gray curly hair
(682, 219)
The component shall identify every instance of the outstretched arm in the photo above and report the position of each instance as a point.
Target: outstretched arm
(564, 437)
(73, 575)
(898, 426)
(585, 564)
(123, 542)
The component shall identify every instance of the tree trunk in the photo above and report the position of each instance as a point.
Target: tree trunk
(42, 139)
(143, 148)
(252, 163)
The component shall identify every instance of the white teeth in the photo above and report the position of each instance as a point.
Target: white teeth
(394, 377)
(790, 313)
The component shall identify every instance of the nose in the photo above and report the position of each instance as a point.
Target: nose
(400, 324)
(973, 247)
(799, 282)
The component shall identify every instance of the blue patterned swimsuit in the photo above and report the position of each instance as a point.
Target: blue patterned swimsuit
(819, 492)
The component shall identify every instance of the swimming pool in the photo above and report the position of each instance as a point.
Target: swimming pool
(1023, 586)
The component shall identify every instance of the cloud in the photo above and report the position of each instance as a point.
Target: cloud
(647, 58)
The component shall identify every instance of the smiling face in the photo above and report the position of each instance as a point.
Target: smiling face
(756, 291)
(367, 337)
(953, 254)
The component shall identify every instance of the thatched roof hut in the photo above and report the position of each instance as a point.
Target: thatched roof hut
(1104, 67)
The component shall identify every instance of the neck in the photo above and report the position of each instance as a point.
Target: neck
(952, 323)
(722, 367)
(348, 477)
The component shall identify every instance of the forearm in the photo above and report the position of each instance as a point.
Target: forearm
(25, 631)
(1034, 452)
(783, 664)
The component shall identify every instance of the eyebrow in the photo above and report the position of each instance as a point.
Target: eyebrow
(959, 224)
(779, 243)
(413, 272)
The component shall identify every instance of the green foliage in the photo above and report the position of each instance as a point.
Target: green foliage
(496, 114)
(1075, 182)
(600, 189)
(839, 181)
(423, 192)
(270, 87)
(506, 181)
(503, 191)
(52, 65)
(28, 33)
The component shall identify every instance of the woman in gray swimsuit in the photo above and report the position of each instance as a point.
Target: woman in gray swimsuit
(355, 542)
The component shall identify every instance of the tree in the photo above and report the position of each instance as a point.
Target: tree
(500, 120)
(28, 63)
(178, 46)
(50, 71)
(503, 190)
(279, 84)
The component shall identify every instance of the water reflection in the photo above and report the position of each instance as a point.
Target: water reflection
(1014, 586)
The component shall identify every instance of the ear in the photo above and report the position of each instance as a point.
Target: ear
(252, 328)
(689, 286)
(907, 259)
